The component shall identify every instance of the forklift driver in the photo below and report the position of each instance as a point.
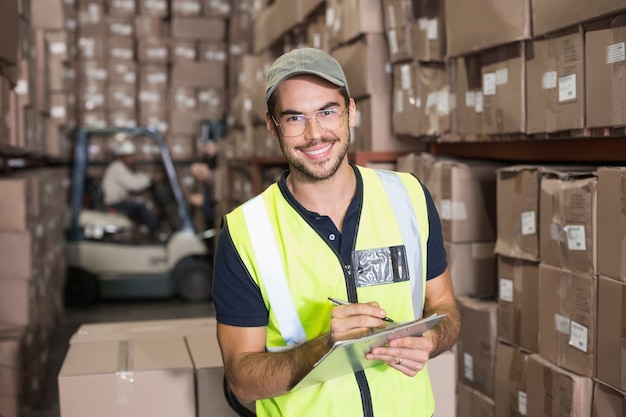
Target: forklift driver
(120, 180)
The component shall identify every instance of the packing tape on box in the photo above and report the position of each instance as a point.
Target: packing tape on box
(125, 373)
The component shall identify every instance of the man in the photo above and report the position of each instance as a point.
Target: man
(120, 180)
(203, 172)
(329, 228)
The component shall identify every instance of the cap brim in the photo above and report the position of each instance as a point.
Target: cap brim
(326, 77)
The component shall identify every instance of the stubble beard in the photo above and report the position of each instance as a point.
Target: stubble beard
(315, 171)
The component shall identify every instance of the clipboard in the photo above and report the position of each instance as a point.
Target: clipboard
(348, 356)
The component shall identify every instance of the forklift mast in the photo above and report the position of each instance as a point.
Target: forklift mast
(79, 171)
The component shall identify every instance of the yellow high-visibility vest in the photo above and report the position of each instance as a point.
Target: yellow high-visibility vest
(296, 270)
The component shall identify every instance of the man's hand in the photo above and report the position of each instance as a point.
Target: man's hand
(196, 199)
(407, 354)
(201, 172)
(355, 320)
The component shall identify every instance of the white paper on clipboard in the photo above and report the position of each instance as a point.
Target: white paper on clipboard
(348, 356)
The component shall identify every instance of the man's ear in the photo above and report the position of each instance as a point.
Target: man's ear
(271, 126)
(352, 114)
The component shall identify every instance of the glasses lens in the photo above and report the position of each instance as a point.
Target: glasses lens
(295, 125)
(329, 119)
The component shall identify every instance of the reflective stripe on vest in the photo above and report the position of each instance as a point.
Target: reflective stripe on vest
(271, 268)
(405, 213)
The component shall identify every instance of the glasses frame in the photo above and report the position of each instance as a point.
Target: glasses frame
(345, 111)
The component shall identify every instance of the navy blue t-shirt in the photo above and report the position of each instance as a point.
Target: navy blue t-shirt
(237, 298)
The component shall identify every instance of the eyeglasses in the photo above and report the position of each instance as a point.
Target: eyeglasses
(295, 124)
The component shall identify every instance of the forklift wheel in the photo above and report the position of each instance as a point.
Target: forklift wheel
(81, 288)
(193, 279)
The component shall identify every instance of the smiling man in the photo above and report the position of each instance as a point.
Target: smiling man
(329, 228)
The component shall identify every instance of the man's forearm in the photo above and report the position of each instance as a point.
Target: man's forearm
(447, 330)
(259, 375)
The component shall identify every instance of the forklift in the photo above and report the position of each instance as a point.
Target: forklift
(108, 256)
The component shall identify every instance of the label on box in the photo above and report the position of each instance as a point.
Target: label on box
(521, 402)
(58, 48)
(567, 88)
(478, 108)
(549, 79)
(393, 42)
(502, 76)
(556, 232)
(561, 324)
(399, 101)
(405, 77)
(576, 237)
(470, 99)
(489, 84)
(432, 30)
(468, 365)
(445, 209)
(431, 99)
(506, 290)
(615, 53)
(443, 107)
(528, 223)
(578, 336)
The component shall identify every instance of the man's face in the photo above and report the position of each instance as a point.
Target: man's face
(128, 159)
(317, 153)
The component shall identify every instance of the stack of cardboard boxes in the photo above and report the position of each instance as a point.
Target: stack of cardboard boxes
(155, 367)
(32, 207)
(32, 265)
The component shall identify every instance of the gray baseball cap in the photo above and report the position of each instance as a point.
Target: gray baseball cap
(304, 61)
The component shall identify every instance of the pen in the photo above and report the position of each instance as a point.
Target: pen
(339, 302)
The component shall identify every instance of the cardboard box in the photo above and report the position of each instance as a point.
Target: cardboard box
(20, 202)
(360, 17)
(186, 7)
(398, 30)
(154, 8)
(467, 90)
(99, 332)
(364, 65)
(476, 345)
(465, 194)
(131, 377)
(9, 24)
(205, 354)
(567, 319)
(17, 301)
(473, 25)
(11, 348)
(472, 403)
(199, 74)
(421, 99)
(473, 268)
(46, 14)
(504, 89)
(518, 211)
(554, 391)
(518, 291)
(567, 220)
(555, 82)
(610, 360)
(612, 222)
(604, 62)
(373, 125)
(608, 402)
(428, 30)
(198, 28)
(511, 381)
(551, 15)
